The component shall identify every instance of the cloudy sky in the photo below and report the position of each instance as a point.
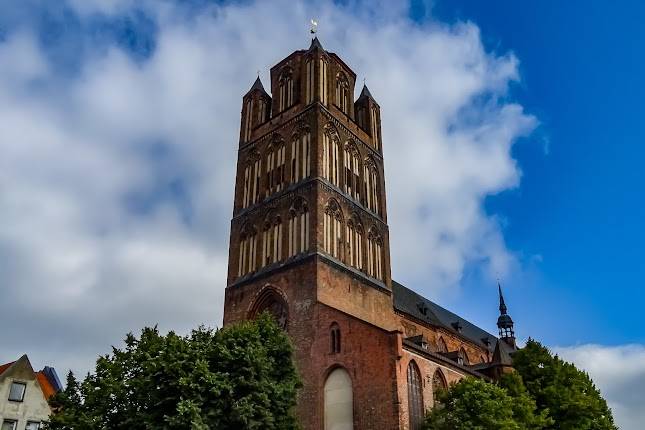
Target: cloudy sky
(511, 137)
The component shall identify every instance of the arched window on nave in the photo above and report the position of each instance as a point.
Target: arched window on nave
(438, 384)
(416, 410)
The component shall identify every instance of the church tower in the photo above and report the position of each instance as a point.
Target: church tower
(309, 236)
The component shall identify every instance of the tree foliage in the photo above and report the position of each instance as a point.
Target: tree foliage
(240, 377)
(474, 404)
(545, 392)
(566, 392)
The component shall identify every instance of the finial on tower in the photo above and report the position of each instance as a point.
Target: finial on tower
(314, 26)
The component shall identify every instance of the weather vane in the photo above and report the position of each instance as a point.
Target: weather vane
(314, 26)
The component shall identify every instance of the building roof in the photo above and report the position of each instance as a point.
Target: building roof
(47, 378)
(5, 366)
(417, 306)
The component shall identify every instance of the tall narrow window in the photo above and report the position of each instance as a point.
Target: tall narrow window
(248, 246)
(335, 338)
(322, 82)
(248, 119)
(338, 401)
(342, 93)
(351, 170)
(374, 254)
(438, 384)
(415, 397)
(275, 166)
(310, 82)
(371, 185)
(298, 228)
(300, 150)
(375, 128)
(251, 181)
(272, 241)
(354, 237)
(285, 90)
(262, 111)
(331, 148)
(332, 229)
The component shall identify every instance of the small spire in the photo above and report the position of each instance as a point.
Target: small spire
(315, 43)
(502, 305)
(257, 85)
(366, 92)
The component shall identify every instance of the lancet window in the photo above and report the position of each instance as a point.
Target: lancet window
(298, 227)
(331, 148)
(285, 90)
(374, 254)
(352, 170)
(272, 240)
(332, 221)
(248, 250)
(371, 186)
(354, 237)
(251, 191)
(300, 155)
(275, 166)
(342, 93)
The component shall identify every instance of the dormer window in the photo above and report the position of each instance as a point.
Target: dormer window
(17, 391)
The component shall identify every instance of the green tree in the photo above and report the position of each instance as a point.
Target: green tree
(567, 393)
(240, 377)
(474, 404)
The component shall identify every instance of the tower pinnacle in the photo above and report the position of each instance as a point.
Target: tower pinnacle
(505, 322)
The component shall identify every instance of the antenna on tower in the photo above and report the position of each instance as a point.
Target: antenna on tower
(314, 26)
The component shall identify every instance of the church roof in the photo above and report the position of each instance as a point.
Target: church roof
(417, 306)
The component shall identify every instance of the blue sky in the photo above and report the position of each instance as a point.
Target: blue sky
(512, 140)
(579, 205)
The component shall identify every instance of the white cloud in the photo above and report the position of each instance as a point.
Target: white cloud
(619, 373)
(116, 183)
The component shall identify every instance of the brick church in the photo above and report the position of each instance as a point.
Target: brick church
(310, 244)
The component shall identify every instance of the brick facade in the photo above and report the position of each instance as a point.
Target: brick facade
(311, 291)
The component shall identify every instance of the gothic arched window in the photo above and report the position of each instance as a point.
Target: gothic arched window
(415, 397)
(271, 301)
(438, 384)
(300, 154)
(248, 119)
(332, 221)
(298, 227)
(272, 240)
(342, 93)
(374, 254)
(285, 89)
(339, 401)
(334, 334)
(352, 170)
(371, 186)
(252, 174)
(354, 238)
(331, 148)
(247, 252)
